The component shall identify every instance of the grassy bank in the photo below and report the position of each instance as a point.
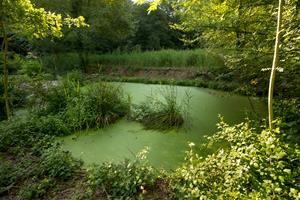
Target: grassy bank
(220, 85)
(199, 67)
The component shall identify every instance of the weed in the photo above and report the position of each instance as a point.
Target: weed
(257, 165)
(124, 180)
(55, 163)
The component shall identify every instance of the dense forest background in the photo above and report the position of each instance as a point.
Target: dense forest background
(242, 31)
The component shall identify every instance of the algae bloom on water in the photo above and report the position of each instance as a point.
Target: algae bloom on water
(125, 138)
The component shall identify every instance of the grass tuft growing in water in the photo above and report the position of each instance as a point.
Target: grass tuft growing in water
(162, 113)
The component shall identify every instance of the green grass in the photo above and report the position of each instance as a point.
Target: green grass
(161, 114)
(163, 58)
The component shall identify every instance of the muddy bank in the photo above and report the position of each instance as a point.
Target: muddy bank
(191, 73)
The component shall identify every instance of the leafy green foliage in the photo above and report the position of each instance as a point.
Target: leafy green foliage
(75, 76)
(31, 68)
(124, 180)
(52, 97)
(110, 24)
(14, 62)
(25, 19)
(22, 135)
(247, 30)
(39, 161)
(57, 163)
(63, 105)
(255, 166)
(288, 110)
(52, 125)
(98, 106)
(153, 31)
(36, 175)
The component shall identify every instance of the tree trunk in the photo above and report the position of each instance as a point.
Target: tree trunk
(5, 77)
(274, 66)
(238, 32)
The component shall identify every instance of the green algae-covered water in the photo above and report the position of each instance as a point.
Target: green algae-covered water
(125, 138)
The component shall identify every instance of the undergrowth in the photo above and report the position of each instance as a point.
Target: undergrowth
(124, 180)
(258, 163)
(100, 105)
(255, 166)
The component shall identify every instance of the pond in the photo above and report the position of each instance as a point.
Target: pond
(125, 138)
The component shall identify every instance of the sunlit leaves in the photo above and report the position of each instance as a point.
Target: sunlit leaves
(153, 4)
(23, 18)
(257, 165)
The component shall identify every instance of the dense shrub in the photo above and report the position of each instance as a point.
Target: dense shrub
(256, 166)
(57, 163)
(125, 180)
(16, 96)
(162, 114)
(40, 161)
(59, 96)
(36, 175)
(289, 111)
(31, 68)
(14, 62)
(52, 97)
(98, 106)
(33, 133)
(79, 108)
(52, 125)
(21, 134)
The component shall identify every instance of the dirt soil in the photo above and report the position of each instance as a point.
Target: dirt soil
(154, 73)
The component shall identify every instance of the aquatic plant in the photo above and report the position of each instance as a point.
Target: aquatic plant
(162, 113)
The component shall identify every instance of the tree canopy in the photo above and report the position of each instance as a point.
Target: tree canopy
(21, 17)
